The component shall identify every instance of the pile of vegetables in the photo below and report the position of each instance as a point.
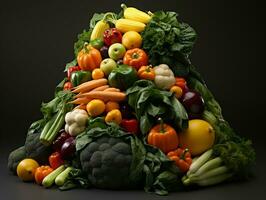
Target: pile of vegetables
(132, 112)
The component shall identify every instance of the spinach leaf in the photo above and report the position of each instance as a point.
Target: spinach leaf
(150, 103)
(76, 178)
(169, 41)
(82, 38)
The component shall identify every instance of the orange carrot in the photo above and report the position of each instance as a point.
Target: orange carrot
(83, 100)
(88, 86)
(104, 95)
(101, 88)
(112, 89)
(81, 106)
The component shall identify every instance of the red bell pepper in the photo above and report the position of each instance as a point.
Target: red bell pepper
(72, 69)
(68, 85)
(55, 160)
(130, 125)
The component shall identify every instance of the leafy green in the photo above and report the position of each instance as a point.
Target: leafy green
(76, 178)
(70, 64)
(50, 108)
(95, 18)
(82, 38)
(150, 103)
(161, 175)
(169, 41)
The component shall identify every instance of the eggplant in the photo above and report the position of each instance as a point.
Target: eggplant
(57, 144)
(68, 148)
(193, 103)
(126, 111)
(104, 52)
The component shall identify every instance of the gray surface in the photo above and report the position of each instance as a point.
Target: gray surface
(12, 189)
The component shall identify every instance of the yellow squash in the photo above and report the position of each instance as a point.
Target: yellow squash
(135, 14)
(125, 25)
(100, 27)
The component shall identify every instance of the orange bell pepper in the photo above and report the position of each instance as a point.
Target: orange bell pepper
(146, 72)
(136, 58)
(41, 172)
(163, 137)
(182, 158)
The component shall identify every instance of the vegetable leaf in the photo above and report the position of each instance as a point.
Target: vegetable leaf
(169, 41)
(150, 103)
(70, 64)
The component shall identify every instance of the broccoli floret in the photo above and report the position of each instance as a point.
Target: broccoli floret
(107, 162)
(36, 150)
(15, 157)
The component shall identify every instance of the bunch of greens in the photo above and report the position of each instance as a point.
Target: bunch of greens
(169, 41)
(150, 103)
(237, 153)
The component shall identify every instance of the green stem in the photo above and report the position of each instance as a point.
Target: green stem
(182, 157)
(123, 6)
(161, 125)
(49, 136)
(109, 17)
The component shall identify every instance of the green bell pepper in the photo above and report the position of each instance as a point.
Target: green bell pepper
(122, 77)
(79, 77)
(97, 43)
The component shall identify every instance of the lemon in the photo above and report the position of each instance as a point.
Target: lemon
(132, 39)
(95, 107)
(198, 137)
(26, 169)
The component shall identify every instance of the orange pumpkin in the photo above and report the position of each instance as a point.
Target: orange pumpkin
(163, 137)
(89, 58)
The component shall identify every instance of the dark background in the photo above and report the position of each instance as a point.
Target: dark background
(36, 40)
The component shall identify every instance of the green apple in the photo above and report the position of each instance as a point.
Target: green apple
(107, 65)
(116, 51)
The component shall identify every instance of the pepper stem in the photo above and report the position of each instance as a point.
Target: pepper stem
(183, 154)
(160, 120)
(85, 47)
(148, 69)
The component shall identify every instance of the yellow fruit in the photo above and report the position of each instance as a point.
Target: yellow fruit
(26, 169)
(198, 137)
(111, 105)
(97, 74)
(114, 116)
(131, 40)
(95, 107)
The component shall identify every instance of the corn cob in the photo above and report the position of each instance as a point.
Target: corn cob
(135, 14)
(125, 25)
(98, 30)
